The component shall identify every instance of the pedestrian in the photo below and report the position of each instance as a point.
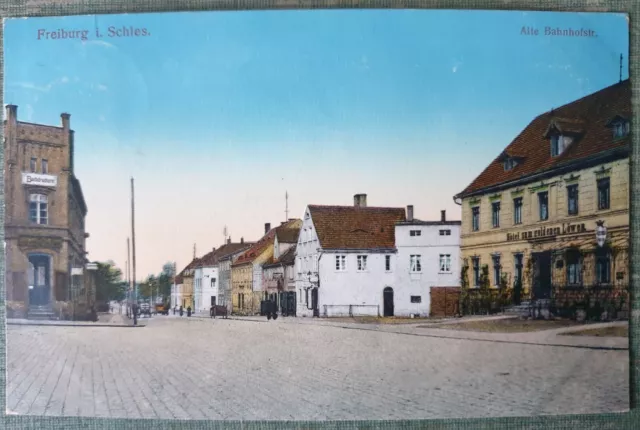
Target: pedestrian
(188, 311)
(181, 311)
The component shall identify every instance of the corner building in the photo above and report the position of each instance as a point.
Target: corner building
(45, 215)
(552, 210)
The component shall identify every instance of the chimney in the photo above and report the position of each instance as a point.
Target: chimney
(242, 240)
(229, 240)
(12, 113)
(65, 120)
(214, 249)
(267, 227)
(443, 216)
(410, 213)
(360, 200)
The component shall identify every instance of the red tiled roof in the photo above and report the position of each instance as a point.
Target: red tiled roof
(287, 258)
(258, 248)
(351, 227)
(212, 257)
(194, 263)
(586, 118)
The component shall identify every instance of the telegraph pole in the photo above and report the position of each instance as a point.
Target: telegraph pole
(133, 251)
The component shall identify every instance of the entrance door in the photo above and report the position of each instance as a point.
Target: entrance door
(314, 302)
(517, 288)
(39, 280)
(542, 275)
(387, 295)
(213, 300)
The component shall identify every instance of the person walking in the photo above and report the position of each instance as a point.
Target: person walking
(181, 311)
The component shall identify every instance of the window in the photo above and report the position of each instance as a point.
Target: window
(603, 267)
(620, 129)
(341, 263)
(32, 165)
(445, 232)
(572, 199)
(543, 205)
(475, 218)
(38, 212)
(45, 166)
(415, 233)
(362, 263)
(213, 283)
(509, 164)
(387, 263)
(416, 299)
(517, 210)
(415, 264)
(603, 193)
(475, 261)
(574, 267)
(518, 266)
(445, 262)
(496, 269)
(495, 214)
(555, 145)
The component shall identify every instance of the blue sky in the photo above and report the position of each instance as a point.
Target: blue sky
(216, 114)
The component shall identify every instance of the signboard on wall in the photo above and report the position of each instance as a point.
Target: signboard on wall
(50, 181)
(76, 271)
(547, 232)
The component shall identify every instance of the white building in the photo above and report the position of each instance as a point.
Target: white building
(428, 255)
(176, 292)
(358, 260)
(341, 258)
(207, 290)
(197, 289)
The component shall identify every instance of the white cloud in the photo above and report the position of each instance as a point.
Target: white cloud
(102, 87)
(455, 69)
(41, 88)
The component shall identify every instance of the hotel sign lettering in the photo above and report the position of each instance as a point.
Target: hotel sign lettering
(39, 180)
(547, 232)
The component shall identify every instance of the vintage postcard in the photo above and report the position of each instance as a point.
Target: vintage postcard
(317, 215)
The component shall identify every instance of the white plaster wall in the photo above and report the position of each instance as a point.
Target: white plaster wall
(197, 289)
(307, 254)
(339, 289)
(209, 273)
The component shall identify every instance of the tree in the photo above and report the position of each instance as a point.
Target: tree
(109, 284)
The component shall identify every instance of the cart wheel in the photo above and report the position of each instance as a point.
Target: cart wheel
(275, 316)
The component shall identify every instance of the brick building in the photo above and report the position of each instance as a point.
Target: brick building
(552, 210)
(45, 211)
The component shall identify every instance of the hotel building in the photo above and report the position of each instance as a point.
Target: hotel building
(552, 210)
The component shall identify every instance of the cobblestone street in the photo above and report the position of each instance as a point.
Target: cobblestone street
(254, 370)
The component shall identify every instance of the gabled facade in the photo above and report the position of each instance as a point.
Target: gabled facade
(341, 256)
(557, 220)
(187, 296)
(278, 279)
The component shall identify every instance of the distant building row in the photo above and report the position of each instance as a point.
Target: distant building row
(336, 261)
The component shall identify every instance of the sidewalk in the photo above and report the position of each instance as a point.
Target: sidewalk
(104, 320)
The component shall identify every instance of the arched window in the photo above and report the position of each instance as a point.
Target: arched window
(38, 209)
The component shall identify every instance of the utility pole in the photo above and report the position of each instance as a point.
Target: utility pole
(133, 249)
(128, 261)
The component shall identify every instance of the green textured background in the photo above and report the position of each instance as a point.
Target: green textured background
(23, 8)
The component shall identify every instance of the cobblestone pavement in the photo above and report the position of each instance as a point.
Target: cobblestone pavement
(239, 369)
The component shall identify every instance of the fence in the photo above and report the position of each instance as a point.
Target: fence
(590, 302)
(351, 311)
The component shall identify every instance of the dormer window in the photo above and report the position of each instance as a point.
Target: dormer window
(620, 129)
(619, 125)
(509, 164)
